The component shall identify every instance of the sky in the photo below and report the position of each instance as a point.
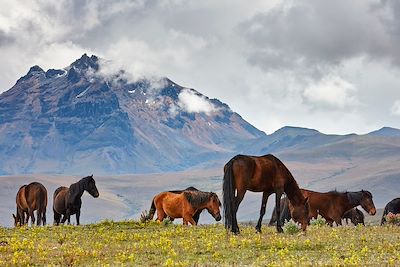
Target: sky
(329, 65)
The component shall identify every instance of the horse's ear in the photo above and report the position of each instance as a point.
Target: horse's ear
(91, 175)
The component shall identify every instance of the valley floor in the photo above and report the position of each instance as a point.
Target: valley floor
(155, 244)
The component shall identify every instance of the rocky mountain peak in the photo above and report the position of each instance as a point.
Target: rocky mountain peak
(86, 62)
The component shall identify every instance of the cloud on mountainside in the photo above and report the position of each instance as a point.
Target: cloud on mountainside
(281, 62)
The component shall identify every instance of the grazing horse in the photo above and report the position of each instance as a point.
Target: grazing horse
(184, 205)
(285, 213)
(393, 206)
(67, 201)
(196, 216)
(265, 174)
(29, 198)
(332, 205)
(355, 215)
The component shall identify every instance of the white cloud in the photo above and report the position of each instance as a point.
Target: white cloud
(331, 92)
(191, 102)
(396, 108)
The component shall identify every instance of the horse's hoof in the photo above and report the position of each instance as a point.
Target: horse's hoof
(279, 229)
(258, 230)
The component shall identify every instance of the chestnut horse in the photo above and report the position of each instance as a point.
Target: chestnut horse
(355, 215)
(29, 198)
(265, 174)
(333, 205)
(393, 206)
(196, 216)
(67, 201)
(184, 205)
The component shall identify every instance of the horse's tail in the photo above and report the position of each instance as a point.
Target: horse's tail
(228, 191)
(148, 217)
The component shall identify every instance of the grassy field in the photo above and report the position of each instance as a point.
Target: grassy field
(155, 244)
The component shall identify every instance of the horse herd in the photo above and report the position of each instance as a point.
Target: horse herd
(266, 174)
(66, 201)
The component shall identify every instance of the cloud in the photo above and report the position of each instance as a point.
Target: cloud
(314, 36)
(190, 101)
(273, 62)
(331, 92)
(396, 108)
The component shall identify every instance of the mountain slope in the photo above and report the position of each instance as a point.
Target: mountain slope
(76, 120)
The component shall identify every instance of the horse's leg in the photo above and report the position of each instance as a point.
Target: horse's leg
(44, 217)
(57, 217)
(78, 214)
(238, 199)
(39, 217)
(161, 215)
(32, 215)
(262, 211)
(278, 196)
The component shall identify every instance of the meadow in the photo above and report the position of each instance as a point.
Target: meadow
(133, 243)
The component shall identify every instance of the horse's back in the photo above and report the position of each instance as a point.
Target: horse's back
(393, 206)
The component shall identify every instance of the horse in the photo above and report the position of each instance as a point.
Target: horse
(196, 216)
(393, 206)
(67, 201)
(184, 205)
(355, 215)
(29, 198)
(265, 174)
(285, 213)
(333, 204)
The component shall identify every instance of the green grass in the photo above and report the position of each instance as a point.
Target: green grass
(154, 244)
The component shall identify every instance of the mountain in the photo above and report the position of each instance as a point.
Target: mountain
(386, 131)
(78, 120)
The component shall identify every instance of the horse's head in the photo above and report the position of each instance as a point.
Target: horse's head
(91, 186)
(366, 202)
(213, 206)
(300, 213)
(17, 220)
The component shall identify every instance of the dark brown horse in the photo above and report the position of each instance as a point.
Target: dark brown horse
(265, 174)
(67, 201)
(196, 216)
(332, 205)
(393, 206)
(184, 205)
(29, 198)
(355, 215)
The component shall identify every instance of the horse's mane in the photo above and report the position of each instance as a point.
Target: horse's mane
(198, 198)
(354, 197)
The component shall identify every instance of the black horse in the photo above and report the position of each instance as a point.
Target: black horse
(285, 213)
(355, 215)
(392, 207)
(67, 201)
(196, 216)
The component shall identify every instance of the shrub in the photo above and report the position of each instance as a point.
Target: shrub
(318, 222)
(393, 218)
(291, 228)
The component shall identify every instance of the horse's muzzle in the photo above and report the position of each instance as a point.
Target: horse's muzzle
(95, 195)
(372, 212)
(217, 217)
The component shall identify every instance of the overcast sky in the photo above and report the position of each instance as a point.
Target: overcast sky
(329, 65)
